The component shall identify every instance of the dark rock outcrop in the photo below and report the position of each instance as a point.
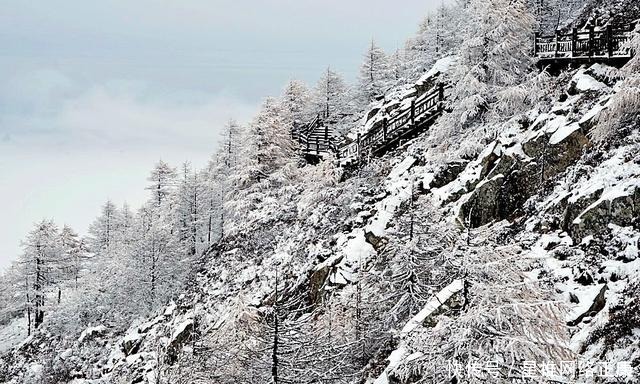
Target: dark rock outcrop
(623, 210)
(598, 304)
(511, 180)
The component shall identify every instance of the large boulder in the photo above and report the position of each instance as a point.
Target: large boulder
(447, 173)
(316, 282)
(506, 188)
(620, 206)
(510, 179)
(179, 337)
(554, 152)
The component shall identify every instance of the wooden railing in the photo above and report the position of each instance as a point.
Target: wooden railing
(316, 139)
(607, 42)
(380, 137)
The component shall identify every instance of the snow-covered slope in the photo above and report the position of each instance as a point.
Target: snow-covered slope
(418, 266)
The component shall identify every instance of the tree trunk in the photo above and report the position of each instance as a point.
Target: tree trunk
(28, 315)
(274, 354)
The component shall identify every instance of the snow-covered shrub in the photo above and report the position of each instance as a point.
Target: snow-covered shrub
(624, 108)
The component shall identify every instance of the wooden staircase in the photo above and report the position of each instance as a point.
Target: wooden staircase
(609, 45)
(316, 139)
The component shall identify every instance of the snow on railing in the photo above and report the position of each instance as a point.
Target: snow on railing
(608, 42)
(380, 136)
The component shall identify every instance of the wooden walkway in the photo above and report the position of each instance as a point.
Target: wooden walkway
(609, 45)
(316, 139)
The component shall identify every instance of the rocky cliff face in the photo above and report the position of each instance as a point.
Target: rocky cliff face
(406, 268)
(541, 192)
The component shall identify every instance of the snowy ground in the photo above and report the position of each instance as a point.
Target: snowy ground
(13, 334)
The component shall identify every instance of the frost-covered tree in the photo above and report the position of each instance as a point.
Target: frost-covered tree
(624, 109)
(296, 99)
(162, 181)
(103, 231)
(438, 36)
(375, 75)
(331, 98)
(125, 225)
(420, 50)
(162, 261)
(218, 178)
(286, 345)
(229, 151)
(398, 67)
(493, 77)
(416, 266)
(74, 253)
(500, 316)
(267, 144)
(40, 261)
(187, 211)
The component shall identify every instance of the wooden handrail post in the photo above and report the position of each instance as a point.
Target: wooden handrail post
(574, 41)
(413, 113)
(536, 37)
(609, 41)
(591, 41)
(326, 136)
(440, 96)
(384, 129)
(358, 143)
(557, 43)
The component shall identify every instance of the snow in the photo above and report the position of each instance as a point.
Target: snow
(91, 331)
(586, 297)
(13, 334)
(399, 187)
(566, 106)
(341, 277)
(330, 262)
(170, 309)
(180, 329)
(595, 111)
(36, 370)
(623, 189)
(551, 126)
(248, 274)
(66, 354)
(145, 327)
(585, 82)
(401, 353)
(432, 305)
(516, 151)
(443, 65)
(563, 132)
(395, 358)
(613, 177)
(131, 337)
(470, 175)
(356, 249)
(402, 168)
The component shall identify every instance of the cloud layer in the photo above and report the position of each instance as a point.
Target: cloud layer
(92, 93)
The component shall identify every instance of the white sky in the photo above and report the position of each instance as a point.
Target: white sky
(93, 93)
